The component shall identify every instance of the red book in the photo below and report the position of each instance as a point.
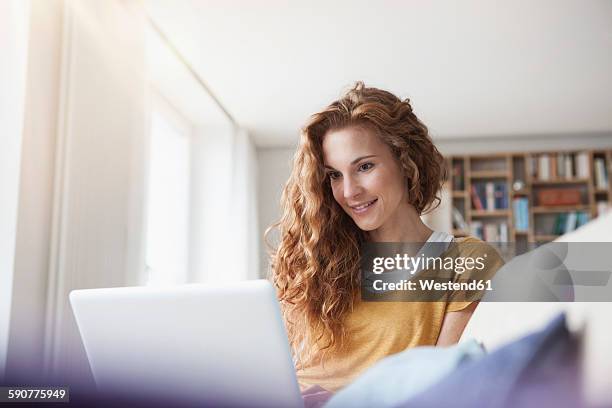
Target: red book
(476, 199)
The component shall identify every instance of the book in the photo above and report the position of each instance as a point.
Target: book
(544, 167)
(520, 211)
(582, 165)
(501, 195)
(476, 229)
(560, 165)
(525, 211)
(567, 222)
(459, 220)
(553, 168)
(516, 214)
(560, 222)
(458, 177)
(601, 176)
(570, 222)
(477, 203)
(503, 232)
(490, 197)
(583, 218)
(491, 233)
(569, 167)
(532, 167)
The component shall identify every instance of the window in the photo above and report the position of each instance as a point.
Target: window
(167, 251)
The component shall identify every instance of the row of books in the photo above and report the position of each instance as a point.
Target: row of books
(520, 209)
(490, 195)
(601, 174)
(490, 232)
(560, 166)
(498, 232)
(567, 222)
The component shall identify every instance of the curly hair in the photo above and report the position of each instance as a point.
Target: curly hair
(315, 268)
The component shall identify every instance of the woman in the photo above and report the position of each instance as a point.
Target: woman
(365, 171)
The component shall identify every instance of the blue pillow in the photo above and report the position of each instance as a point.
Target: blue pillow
(538, 370)
(403, 375)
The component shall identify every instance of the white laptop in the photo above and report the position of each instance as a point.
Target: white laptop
(222, 345)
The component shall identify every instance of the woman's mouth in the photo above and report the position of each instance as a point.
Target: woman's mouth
(363, 207)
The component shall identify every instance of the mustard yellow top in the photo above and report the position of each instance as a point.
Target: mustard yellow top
(378, 329)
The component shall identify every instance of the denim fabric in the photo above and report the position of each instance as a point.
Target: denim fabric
(538, 370)
(400, 376)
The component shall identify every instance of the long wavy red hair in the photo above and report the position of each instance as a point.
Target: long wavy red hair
(315, 267)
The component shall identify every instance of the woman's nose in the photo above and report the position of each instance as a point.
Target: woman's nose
(351, 187)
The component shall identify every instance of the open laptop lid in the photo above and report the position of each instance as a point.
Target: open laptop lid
(215, 344)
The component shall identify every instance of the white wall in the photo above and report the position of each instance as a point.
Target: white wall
(274, 169)
(14, 20)
(525, 143)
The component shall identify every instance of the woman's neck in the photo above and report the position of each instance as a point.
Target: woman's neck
(404, 226)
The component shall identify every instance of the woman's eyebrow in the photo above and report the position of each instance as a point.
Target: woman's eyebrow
(354, 161)
(362, 157)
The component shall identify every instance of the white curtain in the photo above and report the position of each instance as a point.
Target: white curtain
(97, 219)
(13, 66)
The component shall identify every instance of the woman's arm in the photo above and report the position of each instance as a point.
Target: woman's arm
(453, 325)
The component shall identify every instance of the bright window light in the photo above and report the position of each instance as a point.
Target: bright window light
(168, 203)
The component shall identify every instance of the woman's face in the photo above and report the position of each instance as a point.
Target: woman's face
(365, 177)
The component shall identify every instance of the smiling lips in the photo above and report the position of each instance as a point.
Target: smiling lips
(361, 208)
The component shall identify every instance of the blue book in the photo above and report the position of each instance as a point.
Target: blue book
(501, 196)
(526, 212)
(516, 204)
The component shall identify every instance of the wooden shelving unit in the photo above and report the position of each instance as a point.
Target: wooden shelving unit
(561, 181)
(545, 237)
(490, 213)
(560, 209)
(528, 177)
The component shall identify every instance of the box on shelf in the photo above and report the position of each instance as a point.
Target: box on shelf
(558, 196)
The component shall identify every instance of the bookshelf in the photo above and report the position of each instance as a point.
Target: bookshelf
(529, 197)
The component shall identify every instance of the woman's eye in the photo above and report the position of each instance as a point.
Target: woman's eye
(366, 166)
(334, 175)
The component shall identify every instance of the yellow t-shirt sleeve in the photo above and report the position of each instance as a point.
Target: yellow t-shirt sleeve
(473, 248)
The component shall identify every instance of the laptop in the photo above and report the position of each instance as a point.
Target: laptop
(214, 345)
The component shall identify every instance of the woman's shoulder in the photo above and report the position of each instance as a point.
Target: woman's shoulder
(468, 239)
(474, 247)
(473, 244)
